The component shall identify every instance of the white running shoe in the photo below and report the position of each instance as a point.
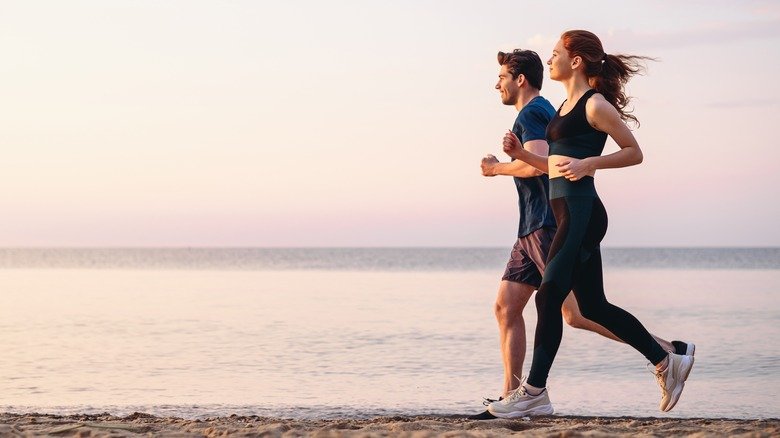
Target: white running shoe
(672, 380)
(521, 404)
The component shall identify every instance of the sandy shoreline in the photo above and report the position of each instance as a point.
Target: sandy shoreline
(420, 426)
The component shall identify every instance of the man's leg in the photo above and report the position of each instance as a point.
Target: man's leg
(573, 317)
(510, 302)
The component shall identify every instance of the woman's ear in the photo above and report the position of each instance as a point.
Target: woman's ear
(576, 62)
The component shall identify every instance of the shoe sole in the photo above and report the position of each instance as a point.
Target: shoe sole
(483, 416)
(540, 410)
(685, 371)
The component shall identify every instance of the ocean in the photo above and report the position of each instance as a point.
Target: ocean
(362, 332)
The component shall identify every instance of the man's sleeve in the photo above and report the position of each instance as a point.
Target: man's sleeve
(534, 122)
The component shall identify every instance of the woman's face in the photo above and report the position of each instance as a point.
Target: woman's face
(560, 63)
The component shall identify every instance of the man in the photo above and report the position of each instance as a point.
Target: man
(519, 83)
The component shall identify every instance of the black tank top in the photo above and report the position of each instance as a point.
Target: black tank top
(571, 135)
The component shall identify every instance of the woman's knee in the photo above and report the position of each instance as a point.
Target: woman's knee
(595, 312)
(547, 301)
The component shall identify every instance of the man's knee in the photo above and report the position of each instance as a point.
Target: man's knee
(506, 312)
(512, 299)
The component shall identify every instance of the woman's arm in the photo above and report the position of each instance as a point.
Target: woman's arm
(533, 152)
(604, 117)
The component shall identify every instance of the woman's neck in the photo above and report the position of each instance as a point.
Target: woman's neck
(575, 86)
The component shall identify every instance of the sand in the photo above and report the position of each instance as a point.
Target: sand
(105, 425)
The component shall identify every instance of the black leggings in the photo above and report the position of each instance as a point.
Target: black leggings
(574, 264)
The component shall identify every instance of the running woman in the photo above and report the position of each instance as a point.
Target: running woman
(595, 108)
(519, 83)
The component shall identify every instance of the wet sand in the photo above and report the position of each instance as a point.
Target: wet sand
(105, 425)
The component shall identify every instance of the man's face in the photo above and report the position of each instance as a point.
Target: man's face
(508, 88)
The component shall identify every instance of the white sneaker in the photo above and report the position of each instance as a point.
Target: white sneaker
(521, 404)
(672, 380)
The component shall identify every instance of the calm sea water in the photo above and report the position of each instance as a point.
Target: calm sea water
(362, 332)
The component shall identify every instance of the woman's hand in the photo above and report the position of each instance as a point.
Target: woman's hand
(512, 145)
(574, 169)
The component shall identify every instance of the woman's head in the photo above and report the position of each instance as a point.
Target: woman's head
(580, 52)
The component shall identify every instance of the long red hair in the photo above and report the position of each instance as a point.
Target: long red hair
(608, 74)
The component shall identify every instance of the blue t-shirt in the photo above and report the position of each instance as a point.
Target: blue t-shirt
(533, 192)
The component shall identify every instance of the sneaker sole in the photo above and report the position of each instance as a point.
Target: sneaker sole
(540, 410)
(684, 371)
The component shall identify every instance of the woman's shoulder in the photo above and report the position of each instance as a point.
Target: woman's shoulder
(598, 104)
(600, 112)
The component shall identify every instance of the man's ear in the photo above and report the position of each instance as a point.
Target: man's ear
(520, 80)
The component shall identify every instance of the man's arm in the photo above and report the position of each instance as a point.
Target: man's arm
(492, 167)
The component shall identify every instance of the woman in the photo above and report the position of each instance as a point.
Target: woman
(595, 107)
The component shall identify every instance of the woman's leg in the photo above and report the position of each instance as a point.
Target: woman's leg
(671, 369)
(573, 317)
(588, 287)
(556, 285)
(575, 260)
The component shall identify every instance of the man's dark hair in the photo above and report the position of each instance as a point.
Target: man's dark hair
(526, 63)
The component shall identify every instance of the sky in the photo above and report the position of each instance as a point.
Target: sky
(362, 123)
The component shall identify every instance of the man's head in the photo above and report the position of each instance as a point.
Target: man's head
(519, 68)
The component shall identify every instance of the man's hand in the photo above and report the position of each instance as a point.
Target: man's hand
(488, 165)
(512, 144)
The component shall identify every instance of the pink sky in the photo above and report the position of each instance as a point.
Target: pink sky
(352, 124)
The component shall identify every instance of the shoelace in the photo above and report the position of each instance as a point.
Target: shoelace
(512, 396)
(518, 392)
(487, 401)
(659, 376)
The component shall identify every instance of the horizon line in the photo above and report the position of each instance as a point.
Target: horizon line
(354, 247)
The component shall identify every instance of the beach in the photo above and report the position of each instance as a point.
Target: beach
(214, 342)
(418, 426)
